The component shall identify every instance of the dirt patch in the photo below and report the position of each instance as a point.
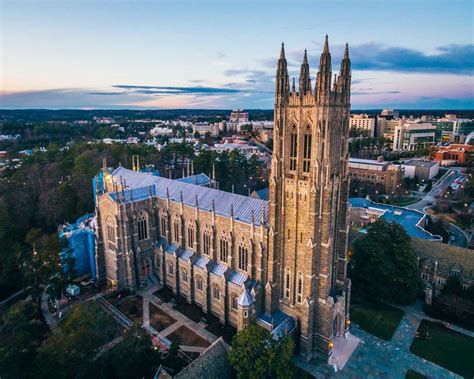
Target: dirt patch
(159, 319)
(132, 308)
(184, 336)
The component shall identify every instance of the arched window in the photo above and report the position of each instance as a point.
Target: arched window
(170, 268)
(216, 293)
(110, 233)
(199, 283)
(287, 283)
(176, 231)
(234, 302)
(243, 256)
(223, 248)
(163, 224)
(184, 276)
(299, 294)
(293, 148)
(190, 236)
(206, 242)
(307, 139)
(142, 226)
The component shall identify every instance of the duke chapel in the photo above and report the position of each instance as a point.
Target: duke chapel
(282, 263)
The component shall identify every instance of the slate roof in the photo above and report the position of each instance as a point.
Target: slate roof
(186, 255)
(171, 249)
(245, 299)
(212, 363)
(218, 269)
(238, 278)
(202, 261)
(139, 184)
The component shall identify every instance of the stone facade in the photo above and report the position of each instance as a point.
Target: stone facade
(244, 260)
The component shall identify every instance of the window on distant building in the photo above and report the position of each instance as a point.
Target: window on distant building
(142, 226)
(425, 276)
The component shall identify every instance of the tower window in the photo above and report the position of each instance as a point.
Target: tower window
(142, 227)
(287, 283)
(293, 150)
(299, 295)
(307, 153)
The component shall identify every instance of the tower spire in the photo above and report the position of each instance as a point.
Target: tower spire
(305, 80)
(282, 81)
(324, 76)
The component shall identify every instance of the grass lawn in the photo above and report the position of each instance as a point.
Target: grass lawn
(184, 336)
(411, 374)
(447, 348)
(376, 318)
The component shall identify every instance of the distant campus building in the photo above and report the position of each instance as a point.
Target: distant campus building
(280, 263)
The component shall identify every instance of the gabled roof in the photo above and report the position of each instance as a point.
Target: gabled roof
(218, 269)
(199, 179)
(202, 261)
(245, 299)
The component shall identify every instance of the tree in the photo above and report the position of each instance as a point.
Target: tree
(255, 354)
(69, 352)
(133, 357)
(384, 264)
(21, 333)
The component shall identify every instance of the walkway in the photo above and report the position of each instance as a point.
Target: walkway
(376, 358)
(181, 320)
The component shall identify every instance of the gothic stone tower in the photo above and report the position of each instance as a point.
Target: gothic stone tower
(308, 204)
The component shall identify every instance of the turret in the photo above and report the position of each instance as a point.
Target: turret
(282, 81)
(344, 80)
(305, 79)
(323, 78)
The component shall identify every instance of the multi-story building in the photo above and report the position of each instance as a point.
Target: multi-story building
(385, 127)
(369, 177)
(455, 154)
(420, 169)
(363, 122)
(282, 263)
(414, 135)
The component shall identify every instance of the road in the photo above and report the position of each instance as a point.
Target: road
(460, 238)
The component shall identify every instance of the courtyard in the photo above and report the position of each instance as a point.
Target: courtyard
(376, 318)
(445, 347)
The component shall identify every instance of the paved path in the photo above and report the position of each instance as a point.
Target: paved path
(48, 316)
(376, 358)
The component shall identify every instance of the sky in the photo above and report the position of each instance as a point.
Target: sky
(118, 54)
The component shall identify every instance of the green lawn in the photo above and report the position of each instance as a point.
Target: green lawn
(378, 319)
(447, 348)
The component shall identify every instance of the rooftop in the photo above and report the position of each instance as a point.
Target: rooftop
(142, 185)
(420, 163)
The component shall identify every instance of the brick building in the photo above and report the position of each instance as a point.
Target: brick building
(372, 177)
(280, 263)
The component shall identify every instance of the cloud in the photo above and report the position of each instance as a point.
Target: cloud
(447, 59)
(163, 90)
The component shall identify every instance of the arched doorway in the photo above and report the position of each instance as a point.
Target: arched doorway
(146, 267)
